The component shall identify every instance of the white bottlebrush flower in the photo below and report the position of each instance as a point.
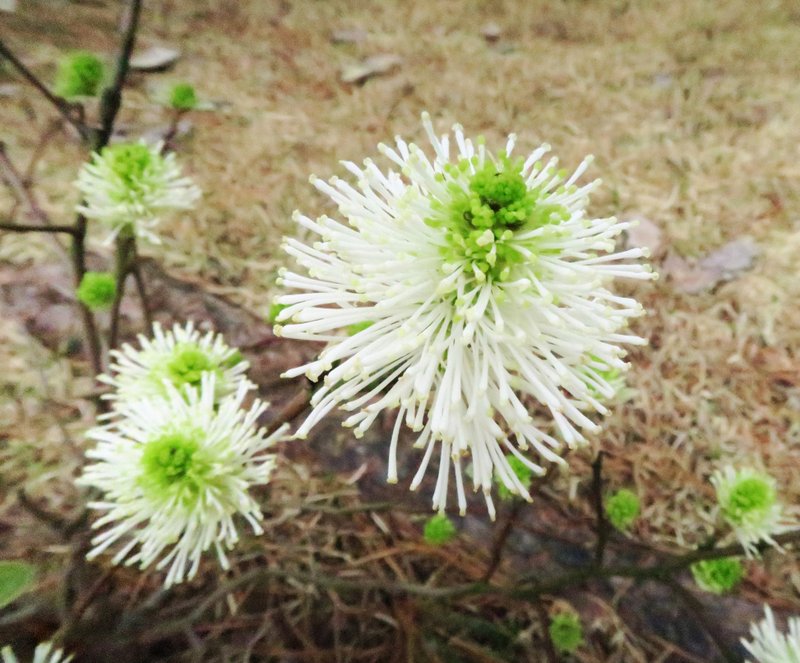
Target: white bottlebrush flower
(472, 286)
(174, 472)
(127, 187)
(44, 653)
(748, 501)
(769, 645)
(178, 357)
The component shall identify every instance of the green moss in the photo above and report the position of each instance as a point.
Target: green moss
(97, 290)
(79, 74)
(566, 632)
(439, 530)
(622, 508)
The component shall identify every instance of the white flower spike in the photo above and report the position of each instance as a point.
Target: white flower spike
(174, 472)
(127, 187)
(769, 645)
(179, 357)
(473, 286)
(749, 503)
(44, 653)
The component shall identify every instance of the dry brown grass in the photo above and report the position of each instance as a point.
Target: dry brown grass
(691, 108)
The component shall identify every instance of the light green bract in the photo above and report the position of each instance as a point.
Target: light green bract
(748, 502)
(79, 74)
(717, 575)
(97, 290)
(129, 186)
(622, 508)
(174, 472)
(178, 358)
(464, 289)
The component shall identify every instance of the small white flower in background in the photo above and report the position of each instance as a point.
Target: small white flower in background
(178, 357)
(769, 645)
(472, 285)
(127, 187)
(44, 653)
(749, 503)
(174, 472)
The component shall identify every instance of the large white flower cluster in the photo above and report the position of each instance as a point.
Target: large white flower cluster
(475, 288)
(176, 460)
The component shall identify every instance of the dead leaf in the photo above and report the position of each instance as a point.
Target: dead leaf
(375, 65)
(348, 36)
(645, 234)
(724, 264)
(732, 258)
(491, 32)
(155, 58)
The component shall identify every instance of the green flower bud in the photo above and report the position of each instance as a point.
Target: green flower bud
(274, 311)
(439, 530)
(523, 472)
(566, 632)
(182, 97)
(97, 290)
(717, 575)
(622, 508)
(79, 74)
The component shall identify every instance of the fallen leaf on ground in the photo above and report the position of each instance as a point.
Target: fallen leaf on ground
(155, 58)
(645, 234)
(491, 31)
(375, 65)
(348, 36)
(724, 264)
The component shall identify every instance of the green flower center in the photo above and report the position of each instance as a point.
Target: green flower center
(482, 220)
(129, 162)
(173, 460)
(748, 496)
(188, 365)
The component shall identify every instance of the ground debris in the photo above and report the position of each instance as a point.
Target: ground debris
(348, 36)
(155, 58)
(724, 264)
(374, 65)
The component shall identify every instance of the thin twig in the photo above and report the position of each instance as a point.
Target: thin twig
(138, 277)
(600, 514)
(109, 106)
(502, 537)
(27, 228)
(14, 180)
(124, 252)
(544, 619)
(64, 107)
(112, 96)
